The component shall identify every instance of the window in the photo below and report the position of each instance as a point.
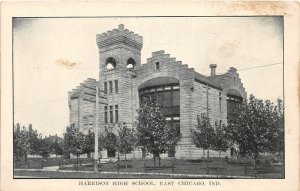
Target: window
(143, 152)
(105, 114)
(110, 87)
(109, 66)
(176, 98)
(159, 89)
(168, 98)
(110, 63)
(168, 88)
(176, 124)
(116, 86)
(157, 65)
(111, 153)
(116, 113)
(167, 95)
(84, 120)
(111, 114)
(175, 87)
(231, 151)
(105, 87)
(233, 106)
(167, 102)
(130, 64)
(220, 102)
(91, 120)
(171, 152)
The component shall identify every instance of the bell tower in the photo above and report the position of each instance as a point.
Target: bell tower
(119, 58)
(119, 50)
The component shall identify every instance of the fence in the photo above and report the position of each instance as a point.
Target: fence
(207, 168)
(216, 167)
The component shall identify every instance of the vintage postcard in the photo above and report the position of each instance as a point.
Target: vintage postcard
(150, 96)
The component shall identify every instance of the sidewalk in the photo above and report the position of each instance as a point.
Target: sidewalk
(55, 168)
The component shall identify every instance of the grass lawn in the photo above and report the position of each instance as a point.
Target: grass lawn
(80, 175)
(36, 163)
(213, 166)
(233, 167)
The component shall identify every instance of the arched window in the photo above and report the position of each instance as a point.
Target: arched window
(110, 63)
(166, 92)
(130, 63)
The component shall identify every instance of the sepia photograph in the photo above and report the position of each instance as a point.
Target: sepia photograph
(149, 96)
(129, 97)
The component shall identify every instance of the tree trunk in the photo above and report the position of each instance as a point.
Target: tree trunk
(254, 166)
(77, 162)
(26, 160)
(153, 160)
(207, 168)
(159, 160)
(219, 154)
(126, 160)
(203, 155)
(207, 153)
(26, 157)
(255, 172)
(118, 162)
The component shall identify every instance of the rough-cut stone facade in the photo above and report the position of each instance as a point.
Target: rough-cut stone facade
(120, 47)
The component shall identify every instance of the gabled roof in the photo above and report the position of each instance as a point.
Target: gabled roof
(206, 80)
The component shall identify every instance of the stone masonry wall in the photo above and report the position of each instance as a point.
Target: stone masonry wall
(169, 67)
(122, 44)
(230, 80)
(82, 105)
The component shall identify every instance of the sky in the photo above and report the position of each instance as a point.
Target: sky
(53, 55)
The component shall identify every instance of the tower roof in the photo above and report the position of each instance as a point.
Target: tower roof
(120, 36)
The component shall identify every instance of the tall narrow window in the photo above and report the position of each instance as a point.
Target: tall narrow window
(105, 114)
(157, 65)
(111, 114)
(116, 113)
(110, 87)
(116, 86)
(105, 87)
(220, 102)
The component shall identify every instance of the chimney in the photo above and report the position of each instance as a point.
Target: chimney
(213, 69)
(121, 27)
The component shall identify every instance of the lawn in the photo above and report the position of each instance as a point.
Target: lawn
(81, 175)
(39, 163)
(213, 166)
